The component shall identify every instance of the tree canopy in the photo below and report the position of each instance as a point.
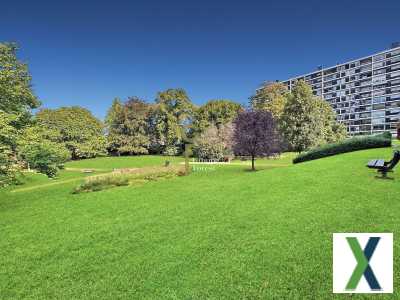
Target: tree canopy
(80, 132)
(127, 126)
(172, 111)
(256, 134)
(215, 112)
(271, 97)
(307, 120)
(16, 95)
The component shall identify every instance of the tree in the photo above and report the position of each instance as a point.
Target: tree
(308, 121)
(270, 97)
(173, 109)
(16, 95)
(8, 162)
(333, 131)
(39, 149)
(256, 134)
(215, 113)
(215, 142)
(127, 125)
(79, 131)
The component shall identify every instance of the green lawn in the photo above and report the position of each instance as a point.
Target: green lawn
(109, 163)
(220, 233)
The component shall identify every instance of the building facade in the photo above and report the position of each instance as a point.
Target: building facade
(365, 93)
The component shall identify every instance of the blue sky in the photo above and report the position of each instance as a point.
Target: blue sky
(88, 52)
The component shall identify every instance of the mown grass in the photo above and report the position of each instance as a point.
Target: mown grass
(221, 233)
(110, 163)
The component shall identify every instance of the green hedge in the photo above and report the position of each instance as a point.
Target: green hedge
(349, 145)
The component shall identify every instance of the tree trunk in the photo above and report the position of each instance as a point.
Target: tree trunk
(252, 163)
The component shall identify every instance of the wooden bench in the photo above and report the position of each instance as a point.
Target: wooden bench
(383, 166)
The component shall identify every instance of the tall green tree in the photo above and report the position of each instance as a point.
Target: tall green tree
(215, 113)
(16, 95)
(308, 121)
(127, 127)
(333, 131)
(172, 111)
(8, 161)
(271, 96)
(79, 131)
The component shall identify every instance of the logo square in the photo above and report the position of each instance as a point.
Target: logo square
(363, 263)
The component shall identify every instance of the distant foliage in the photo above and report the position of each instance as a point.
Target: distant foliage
(256, 134)
(308, 121)
(78, 130)
(215, 113)
(272, 97)
(127, 127)
(349, 145)
(214, 143)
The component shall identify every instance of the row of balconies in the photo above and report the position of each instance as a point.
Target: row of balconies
(355, 67)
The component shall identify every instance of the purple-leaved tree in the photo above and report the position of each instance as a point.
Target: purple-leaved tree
(256, 134)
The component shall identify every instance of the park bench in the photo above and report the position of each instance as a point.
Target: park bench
(383, 166)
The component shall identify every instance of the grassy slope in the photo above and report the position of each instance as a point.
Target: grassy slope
(226, 233)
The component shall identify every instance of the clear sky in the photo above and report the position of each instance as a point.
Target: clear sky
(88, 52)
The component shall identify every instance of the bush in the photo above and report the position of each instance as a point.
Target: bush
(385, 135)
(215, 143)
(98, 183)
(349, 145)
(45, 156)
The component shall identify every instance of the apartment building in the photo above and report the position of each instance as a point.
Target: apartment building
(365, 93)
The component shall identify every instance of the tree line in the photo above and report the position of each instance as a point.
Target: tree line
(274, 120)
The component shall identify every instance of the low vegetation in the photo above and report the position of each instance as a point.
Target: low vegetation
(348, 145)
(125, 177)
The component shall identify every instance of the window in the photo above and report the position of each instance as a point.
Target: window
(365, 115)
(395, 67)
(394, 97)
(379, 86)
(378, 114)
(379, 64)
(366, 61)
(378, 100)
(394, 74)
(379, 57)
(378, 106)
(395, 82)
(379, 127)
(395, 89)
(395, 52)
(379, 79)
(395, 60)
(378, 121)
(379, 93)
(380, 71)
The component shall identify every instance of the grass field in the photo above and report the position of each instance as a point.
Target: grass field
(220, 233)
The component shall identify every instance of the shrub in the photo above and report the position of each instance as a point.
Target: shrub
(214, 143)
(98, 183)
(349, 145)
(385, 135)
(46, 157)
